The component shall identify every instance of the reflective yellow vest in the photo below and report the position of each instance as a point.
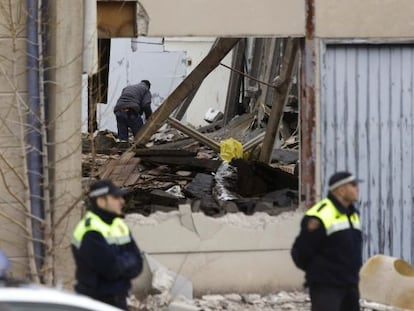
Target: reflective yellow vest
(332, 219)
(115, 234)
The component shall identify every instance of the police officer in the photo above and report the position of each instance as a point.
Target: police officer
(329, 247)
(105, 253)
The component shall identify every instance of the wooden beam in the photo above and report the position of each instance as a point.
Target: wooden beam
(275, 68)
(235, 82)
(194, 134)
(280, 96)
(265, 74)
(207, 65)
(251, 144)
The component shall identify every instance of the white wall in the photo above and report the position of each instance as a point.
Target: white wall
(213, 91)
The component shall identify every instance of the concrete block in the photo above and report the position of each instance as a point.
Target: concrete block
(165, 280)
(182, 306)
(389, 281)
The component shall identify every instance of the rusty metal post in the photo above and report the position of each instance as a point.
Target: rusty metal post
(308, 110)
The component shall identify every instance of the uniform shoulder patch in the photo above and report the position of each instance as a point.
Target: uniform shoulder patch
(313, 224)
(321, 207)
(87, 222)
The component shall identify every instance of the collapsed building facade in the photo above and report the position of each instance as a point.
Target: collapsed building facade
(355, 110)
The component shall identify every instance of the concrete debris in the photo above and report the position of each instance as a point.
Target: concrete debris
(160, 138)
(104, 142)
(252, 299)
(182, 306)
(176, 191)
(297, 301)
(92, 163)
(213, 115)
(162, 279)
(165, 198)
(233, 297)
(165, 281)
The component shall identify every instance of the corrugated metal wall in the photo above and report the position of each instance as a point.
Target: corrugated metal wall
(367, 127)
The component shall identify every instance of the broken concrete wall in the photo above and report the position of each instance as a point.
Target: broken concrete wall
(234, 253)
(244, 17)
(333, 18)
(364, 19)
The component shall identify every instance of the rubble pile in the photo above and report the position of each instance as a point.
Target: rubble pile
(282, 301)
(173, 169)
(297, 301)
(173, 162)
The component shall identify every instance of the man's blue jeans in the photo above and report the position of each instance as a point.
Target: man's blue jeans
(125, 121)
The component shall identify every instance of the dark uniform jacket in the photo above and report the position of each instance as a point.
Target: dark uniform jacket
(136, 98)
(102, 269)
(333, 259)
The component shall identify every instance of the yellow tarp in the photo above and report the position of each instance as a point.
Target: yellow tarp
(230, 148)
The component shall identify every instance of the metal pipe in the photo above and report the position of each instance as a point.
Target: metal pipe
(34, 140)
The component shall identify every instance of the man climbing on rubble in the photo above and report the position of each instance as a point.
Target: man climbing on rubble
(134, 101)
(106, 255)
(329, 247)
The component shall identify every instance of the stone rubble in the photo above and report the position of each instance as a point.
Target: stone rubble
(282, 301)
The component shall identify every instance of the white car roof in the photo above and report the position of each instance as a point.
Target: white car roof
(40, 294)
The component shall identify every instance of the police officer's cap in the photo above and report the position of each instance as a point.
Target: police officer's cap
(341, 178)
(105, 187)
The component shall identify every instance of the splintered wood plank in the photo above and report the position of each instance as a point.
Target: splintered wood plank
(128, 155)
(120, 170)
(107, 169)
(123, 171)
(132, 179)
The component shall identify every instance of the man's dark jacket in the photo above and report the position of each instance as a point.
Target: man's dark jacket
(136, 98)
(329, 260)
(102, 269)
